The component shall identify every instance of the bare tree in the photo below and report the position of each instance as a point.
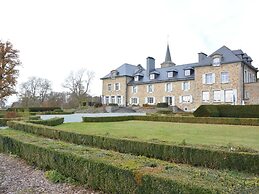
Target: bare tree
(78, 84)
(34, 91)
(9, 60)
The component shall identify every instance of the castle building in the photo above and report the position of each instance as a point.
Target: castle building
(224, 77)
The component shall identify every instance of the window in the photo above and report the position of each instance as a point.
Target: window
(187, 72)
(208, 78)
(224, 77)
(134, 89)
(205, 96)
(152, 76)
(229, 97)
(169, 100)
(118, 99)
(217, 96)
(107, 100)
(113, 99)
(113, 74)
(168, 87)
(136, 78)
(109, 87)
(245, 77)
(150, 88)
(216, 61)
(170, 74)
(117, 86)
(186, 99)
(150, 100)
(186, 86)
(134, 100)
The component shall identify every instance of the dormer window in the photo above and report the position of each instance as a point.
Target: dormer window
(114, 73)
(136, 78)
(216, 61)
(152, 76)
(187, 72)
(170, 74)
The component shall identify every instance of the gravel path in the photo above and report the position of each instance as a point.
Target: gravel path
(17, 177)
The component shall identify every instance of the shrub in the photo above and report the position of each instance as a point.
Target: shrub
(164, 112)
(49, 122)
(113, 104)
(162, 105)
(10, 114)
(206, 157)
(33, 109)
(114, 172)
(238, 111)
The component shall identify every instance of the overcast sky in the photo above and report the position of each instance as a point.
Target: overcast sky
(56, 37)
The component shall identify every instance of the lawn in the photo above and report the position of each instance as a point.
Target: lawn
(202, 134)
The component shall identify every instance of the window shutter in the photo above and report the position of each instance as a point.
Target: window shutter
(122, 103)
(164, 99)
(130, 100)
(222, 95)
(110, 99)
(171, 87)
(136, 89)
(153, 88)
(137, 100)
(119, 86)
(191, 99)
(165, 87)
(154, 100)
(180, 99)
(145, 100)
(189, 85)
(213, 78)
(173, 101)
(204, 78)
(182, 85)
(147, 87)
(235, 96)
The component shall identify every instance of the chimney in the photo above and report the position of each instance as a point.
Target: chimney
(202, 56)
(150, 64)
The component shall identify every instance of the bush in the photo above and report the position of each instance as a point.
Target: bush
(237, 111)
(33, 109)
(162, 105)
(49, 122)
(206, 157)
(113, 104)
(114, 172)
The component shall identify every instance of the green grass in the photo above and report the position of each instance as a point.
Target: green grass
(201, 134)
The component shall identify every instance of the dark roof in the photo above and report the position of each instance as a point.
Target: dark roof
(124, 70)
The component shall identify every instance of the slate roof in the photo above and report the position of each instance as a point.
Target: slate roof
(228, 56)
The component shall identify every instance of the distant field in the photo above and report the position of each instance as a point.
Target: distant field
(220, 135)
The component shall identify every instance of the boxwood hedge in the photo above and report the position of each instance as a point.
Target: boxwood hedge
(49, 122)
(218, 159)
(114, 172)
(237, 111)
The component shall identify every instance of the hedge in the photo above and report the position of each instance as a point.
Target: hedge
(181, 119)
(114, 172)
(237, 111)
(211, 158)
(34, 109)
(3, 121)
(49, 122)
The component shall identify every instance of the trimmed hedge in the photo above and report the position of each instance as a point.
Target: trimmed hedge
(34, 109)
(177, 119)
(3, 121)
(237, 111)
(113, 172)
(162, 105)
(218, 159)
(49, 122)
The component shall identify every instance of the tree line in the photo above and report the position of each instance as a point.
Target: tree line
(38, 91)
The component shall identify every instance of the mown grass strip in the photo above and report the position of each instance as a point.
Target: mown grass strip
(205, 120)
(195, 156)
(114, 172)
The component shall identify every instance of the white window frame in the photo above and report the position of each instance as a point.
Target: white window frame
(107, 100)
(136, 78)
(186, 99)
(217, 96)
(186, 86)
(224, 77)
(134, 89)
(170, 74)
(150, 88)
(216, 61)
(109, 87)
(168, 87)
(229, 95)
(119, 100)
(152, 76)
(117, 86)
(149, 101)
(187, 72)
(113, 100)
(206, 80)
(134, 100)
(205, 96)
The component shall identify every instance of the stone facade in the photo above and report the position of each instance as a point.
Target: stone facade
(228, 79)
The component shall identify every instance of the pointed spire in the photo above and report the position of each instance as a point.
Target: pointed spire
(168, 61)
(168, 55)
